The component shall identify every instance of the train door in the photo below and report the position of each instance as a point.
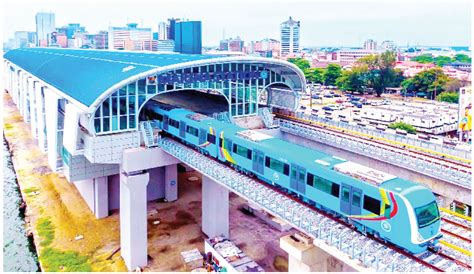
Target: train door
(182, 129)
(165, 122)
(202, 136)
(351, 200)
(297, 178)
(257, 161)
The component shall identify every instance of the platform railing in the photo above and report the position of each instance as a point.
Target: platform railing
(448, 173)
(365, 251)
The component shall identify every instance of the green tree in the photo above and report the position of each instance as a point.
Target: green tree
(353, 80)
(462, 58)
(331, 74)
(381, 71)
(442, 60)
(401, 125)
(302, 63)
(450, 97)
(431, 81)
(424, 58)
(314, 75)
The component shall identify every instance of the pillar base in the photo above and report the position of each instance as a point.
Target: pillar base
(215, 208)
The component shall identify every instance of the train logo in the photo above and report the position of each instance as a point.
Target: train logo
(386, 226)
(276, 177)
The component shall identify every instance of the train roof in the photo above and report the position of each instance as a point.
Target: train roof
(308, 157)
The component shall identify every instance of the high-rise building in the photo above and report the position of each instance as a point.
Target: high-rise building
(188, 37)
(45, 25)
(71, 29)
(24, 39)
(164, 46)
(232, 44)
(162, 31)
(171, 28)
(388, 45)
(290, 36)
(370, 44)
(129, 38)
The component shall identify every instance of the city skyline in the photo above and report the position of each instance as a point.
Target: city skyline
(338, 24)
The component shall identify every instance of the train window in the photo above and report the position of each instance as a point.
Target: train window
(335, 190)
(372, 205)
(221, 141)
(211, 138)
(174, 123)
(278, 166)
(356, 199)
(192, 130)
(345, 194)
(242, 151)
(309, 179)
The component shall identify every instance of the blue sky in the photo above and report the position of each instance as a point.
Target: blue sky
(323, 23)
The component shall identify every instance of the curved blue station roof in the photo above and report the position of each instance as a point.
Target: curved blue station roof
(85, 74)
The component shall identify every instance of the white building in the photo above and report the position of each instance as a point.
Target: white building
(370, 44)
(388, 45)
(45, 25)
(163, 31)
(352, 55)
(129, 37)
(290, 37)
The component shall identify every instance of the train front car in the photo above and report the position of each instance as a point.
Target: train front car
(421, 215)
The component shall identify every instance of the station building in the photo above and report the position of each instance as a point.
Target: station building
(84, 108)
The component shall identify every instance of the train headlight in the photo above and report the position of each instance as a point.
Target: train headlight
(419, 238)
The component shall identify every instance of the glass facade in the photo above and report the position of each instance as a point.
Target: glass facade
(188, 37)
(239, 83)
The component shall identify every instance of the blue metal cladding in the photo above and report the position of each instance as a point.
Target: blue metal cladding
(85, 75)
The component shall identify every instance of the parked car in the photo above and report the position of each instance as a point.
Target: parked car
(302, 107)
(329, 108)
(315, 96)
(337, 95)
(357, 104)
(328, 95)
(347, 104)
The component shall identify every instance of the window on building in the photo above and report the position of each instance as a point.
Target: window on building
(278, 166)
(371, 205)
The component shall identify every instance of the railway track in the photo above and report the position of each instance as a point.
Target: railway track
(379, 252)
(456, 230)
(435, 157)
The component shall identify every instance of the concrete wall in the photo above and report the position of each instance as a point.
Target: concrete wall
(107, 149)
(86, 189)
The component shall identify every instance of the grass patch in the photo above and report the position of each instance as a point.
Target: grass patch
(54, 260)
(30, 190)
(45, 231)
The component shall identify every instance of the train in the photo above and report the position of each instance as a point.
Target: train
(390, 208)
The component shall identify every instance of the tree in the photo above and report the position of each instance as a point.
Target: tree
(442, 60)
(401, 125)
(381, 71)
(450, 97)
(353, 80)
(462, 58)
(431, 81)
(302, 63)
(331, 74)
(453, 85)
(424, 58)
(314, 75)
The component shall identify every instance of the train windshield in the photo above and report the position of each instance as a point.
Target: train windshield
(427, 214)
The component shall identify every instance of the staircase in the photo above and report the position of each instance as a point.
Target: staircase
(148, 134)
(267, 118)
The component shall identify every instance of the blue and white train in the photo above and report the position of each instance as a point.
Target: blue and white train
(395, 210)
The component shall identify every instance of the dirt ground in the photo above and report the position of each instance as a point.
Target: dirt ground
(49, 196)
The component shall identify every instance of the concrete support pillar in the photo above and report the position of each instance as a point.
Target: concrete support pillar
(306, 257)
(215, 208)
(133, 219)
(51, 109)
(27, 115)
(20, 92)
(40, 117)
(24, 97)
(171, 182)
(101, 197)
(33, 110)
